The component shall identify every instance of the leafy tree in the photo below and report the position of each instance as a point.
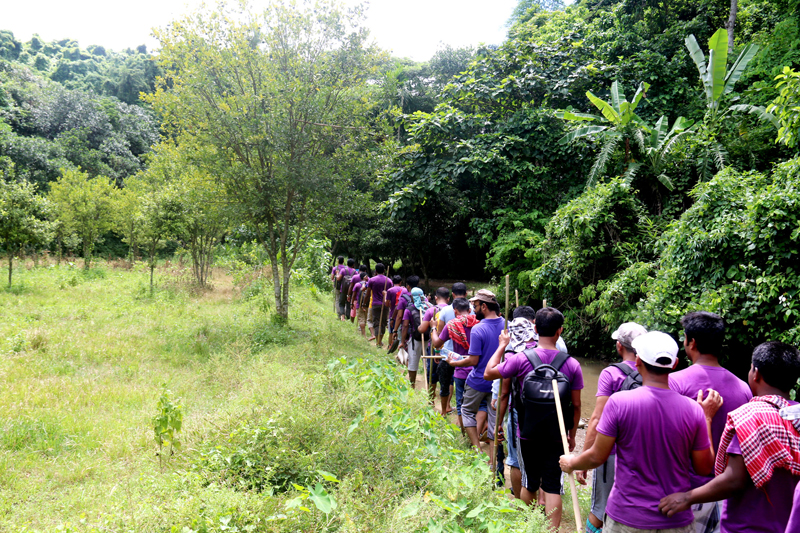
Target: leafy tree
(787, 107)
(277, 134)
(85, 207)
(162, 215)
(23, 218)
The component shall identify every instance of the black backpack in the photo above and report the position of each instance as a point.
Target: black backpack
(346, 279)
(538, 417)
(416, 319)
(633, 379)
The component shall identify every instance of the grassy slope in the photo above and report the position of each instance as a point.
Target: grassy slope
(83, 361)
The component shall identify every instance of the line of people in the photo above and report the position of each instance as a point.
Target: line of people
(696, 450)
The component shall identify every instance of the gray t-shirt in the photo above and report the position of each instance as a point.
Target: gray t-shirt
(446, 315)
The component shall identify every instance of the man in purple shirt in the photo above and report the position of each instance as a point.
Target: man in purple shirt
(482, 345)
(426, 327)
(538, 458)
(749, 508)
(462, 311)
(391, 296)
(659, 436)
(704, 334)
(377, 287)
(336, 285)
(610, 382)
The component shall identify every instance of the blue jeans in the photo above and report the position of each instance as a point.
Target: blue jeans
(511, 439)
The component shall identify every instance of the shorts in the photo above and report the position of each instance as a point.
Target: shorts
(602, 482)
(414, 355)
(511, 439)
(379, 322)
(361, 315)
(471, 404)
(445, 372)
(610, 526)
(706, 517)
(538, 462)
(460, 383)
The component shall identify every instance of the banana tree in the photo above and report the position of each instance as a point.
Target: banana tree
(719, 81)
(620, 123)
(657, 146)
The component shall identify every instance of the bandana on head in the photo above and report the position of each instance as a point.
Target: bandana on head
(522, 332)
(419, 297)
(457, 329)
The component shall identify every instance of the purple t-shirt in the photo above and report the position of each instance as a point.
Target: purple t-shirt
(517, 365)
(357, 288)
(610, 381)
(656, 431)
(460, 372)
(794, 519)
(391, 294)
(764, 510)
(378, 284)
(733, 390)
(483, 343)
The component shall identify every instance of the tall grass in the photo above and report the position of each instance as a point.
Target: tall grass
(269, 429)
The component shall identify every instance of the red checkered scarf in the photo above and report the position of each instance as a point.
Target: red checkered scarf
(767, 441)
(456, 328)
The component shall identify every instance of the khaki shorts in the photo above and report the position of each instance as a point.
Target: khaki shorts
(361, 316)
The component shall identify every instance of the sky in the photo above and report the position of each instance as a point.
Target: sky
(408, 28)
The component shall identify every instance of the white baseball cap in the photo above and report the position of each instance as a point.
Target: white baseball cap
(656, 348)
(628, 331)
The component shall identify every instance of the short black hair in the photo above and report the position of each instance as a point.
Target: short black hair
(412, 280)
(351, 262)
(493, 306)
(364, 275)
(396, 279)
(548, 321)
(657, 370)
(525, 311)
(778, 363)
(340, 259)
(461, 304)
(443, 292)
(380, 268)
(459, 289)
(707, 330)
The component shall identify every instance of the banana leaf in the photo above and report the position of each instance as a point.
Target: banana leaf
(581, 132)
(718, 62)
(608, 111)
(738, 67)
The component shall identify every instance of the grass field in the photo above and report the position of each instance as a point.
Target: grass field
(274, 438)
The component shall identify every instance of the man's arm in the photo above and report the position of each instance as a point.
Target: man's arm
(404, 335)
(734, 479)
(435, 340)
(591, 458)
(502, 400)
(469, 360)
(490, 373)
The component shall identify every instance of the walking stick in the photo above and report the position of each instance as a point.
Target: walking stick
(496, 419)
(574, 492)
(424, 368)
(516, 293)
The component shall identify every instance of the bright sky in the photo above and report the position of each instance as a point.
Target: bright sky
(408, 28)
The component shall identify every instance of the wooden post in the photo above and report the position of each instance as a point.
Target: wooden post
(497, 421)
(575, 507)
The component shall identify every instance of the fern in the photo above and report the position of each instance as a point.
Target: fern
(606, 151)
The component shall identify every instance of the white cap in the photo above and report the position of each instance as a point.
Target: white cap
(655, 345)
(628, 331)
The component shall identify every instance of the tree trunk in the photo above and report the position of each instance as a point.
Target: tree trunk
(10, 265)
(60, 249)
(731, 23)
(152, 268)
(87, 255)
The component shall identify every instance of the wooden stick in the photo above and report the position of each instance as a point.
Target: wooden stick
(575, 507)
(544, 302)
(516, 293)
(497, 421)
(424, 368)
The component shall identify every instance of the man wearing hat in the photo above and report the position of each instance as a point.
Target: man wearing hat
(660, 436)
(483, 343)
(611, 381)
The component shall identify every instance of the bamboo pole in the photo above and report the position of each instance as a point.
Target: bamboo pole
(575, 507)
(544, 302)
(424, 368)
(497, 421)
(516, 293)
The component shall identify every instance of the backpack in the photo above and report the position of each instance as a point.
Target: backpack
(538, 417)
(347, 277)
(362, 296)
(337, 282)
(416, 319)
(633, 379)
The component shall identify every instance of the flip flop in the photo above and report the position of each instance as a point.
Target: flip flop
(393, 346)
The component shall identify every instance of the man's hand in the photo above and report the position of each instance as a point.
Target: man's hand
(711, 403)
(494, 404)
(674, 503)
(565, 462)
(580, 476)
(571, 442)
(505, 338)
